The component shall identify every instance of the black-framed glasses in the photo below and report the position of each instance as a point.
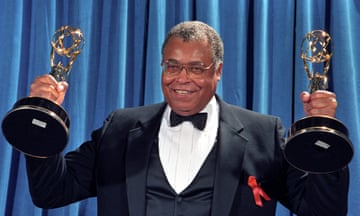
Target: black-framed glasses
(171, 68)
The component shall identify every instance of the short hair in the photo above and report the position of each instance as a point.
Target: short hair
(197, 31)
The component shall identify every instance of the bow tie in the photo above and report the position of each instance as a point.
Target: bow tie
(198, 120)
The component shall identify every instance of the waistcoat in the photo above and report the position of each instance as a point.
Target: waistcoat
(195, 200)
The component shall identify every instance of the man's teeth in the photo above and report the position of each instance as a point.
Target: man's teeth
(182, 92)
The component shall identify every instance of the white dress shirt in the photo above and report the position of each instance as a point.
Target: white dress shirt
(183, 148)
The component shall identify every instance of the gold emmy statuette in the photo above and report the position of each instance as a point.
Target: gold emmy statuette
(37, 126)
(318, 144)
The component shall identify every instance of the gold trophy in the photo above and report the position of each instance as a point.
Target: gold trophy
(37, 126)
(318, 144)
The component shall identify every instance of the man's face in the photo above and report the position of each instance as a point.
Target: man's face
(188, 93)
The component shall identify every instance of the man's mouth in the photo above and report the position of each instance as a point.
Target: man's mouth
(182, 92)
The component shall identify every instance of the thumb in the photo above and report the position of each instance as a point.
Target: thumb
(305, 97)
(61, 87)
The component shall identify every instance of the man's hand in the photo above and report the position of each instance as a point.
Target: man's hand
(320, 102)
(46, 86)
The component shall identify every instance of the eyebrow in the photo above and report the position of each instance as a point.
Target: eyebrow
(192, 62)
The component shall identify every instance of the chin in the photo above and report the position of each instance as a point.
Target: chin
(181, 109)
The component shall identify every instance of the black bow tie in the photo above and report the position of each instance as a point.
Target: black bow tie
(198, 120)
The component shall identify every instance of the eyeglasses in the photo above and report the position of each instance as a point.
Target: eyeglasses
(192, 69)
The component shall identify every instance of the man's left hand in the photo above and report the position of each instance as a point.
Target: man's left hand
(320, 102)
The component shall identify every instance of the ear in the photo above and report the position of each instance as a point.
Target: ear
(218, 71)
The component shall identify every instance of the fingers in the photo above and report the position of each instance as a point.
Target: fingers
(46, 86)
(320, 102)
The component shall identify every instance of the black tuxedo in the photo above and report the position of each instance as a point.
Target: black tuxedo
(113, 167)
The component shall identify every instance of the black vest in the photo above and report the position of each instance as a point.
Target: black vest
(195, 200)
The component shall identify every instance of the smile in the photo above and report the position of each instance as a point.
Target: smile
(183, 92)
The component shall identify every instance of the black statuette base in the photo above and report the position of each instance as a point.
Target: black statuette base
(318, 144)
(37, 127)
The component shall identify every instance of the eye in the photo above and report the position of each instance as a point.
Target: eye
(172, 67)
(197, 69)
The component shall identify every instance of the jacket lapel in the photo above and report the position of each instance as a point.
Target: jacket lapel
(231, 148)
(141, 140)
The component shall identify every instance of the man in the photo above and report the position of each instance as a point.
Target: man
(145, 161)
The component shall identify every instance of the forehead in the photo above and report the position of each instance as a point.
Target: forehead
(178, 49)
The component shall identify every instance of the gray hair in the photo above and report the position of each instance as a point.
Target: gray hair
(196, 31)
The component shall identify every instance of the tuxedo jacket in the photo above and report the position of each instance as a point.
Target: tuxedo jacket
(113, 167)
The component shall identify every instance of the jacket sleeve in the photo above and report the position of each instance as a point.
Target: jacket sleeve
(325, 194)
(60, 180)
(57, 181)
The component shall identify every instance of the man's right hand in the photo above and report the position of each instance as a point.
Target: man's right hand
(46, 86)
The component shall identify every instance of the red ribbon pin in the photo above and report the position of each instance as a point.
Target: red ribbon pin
(257, 191)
